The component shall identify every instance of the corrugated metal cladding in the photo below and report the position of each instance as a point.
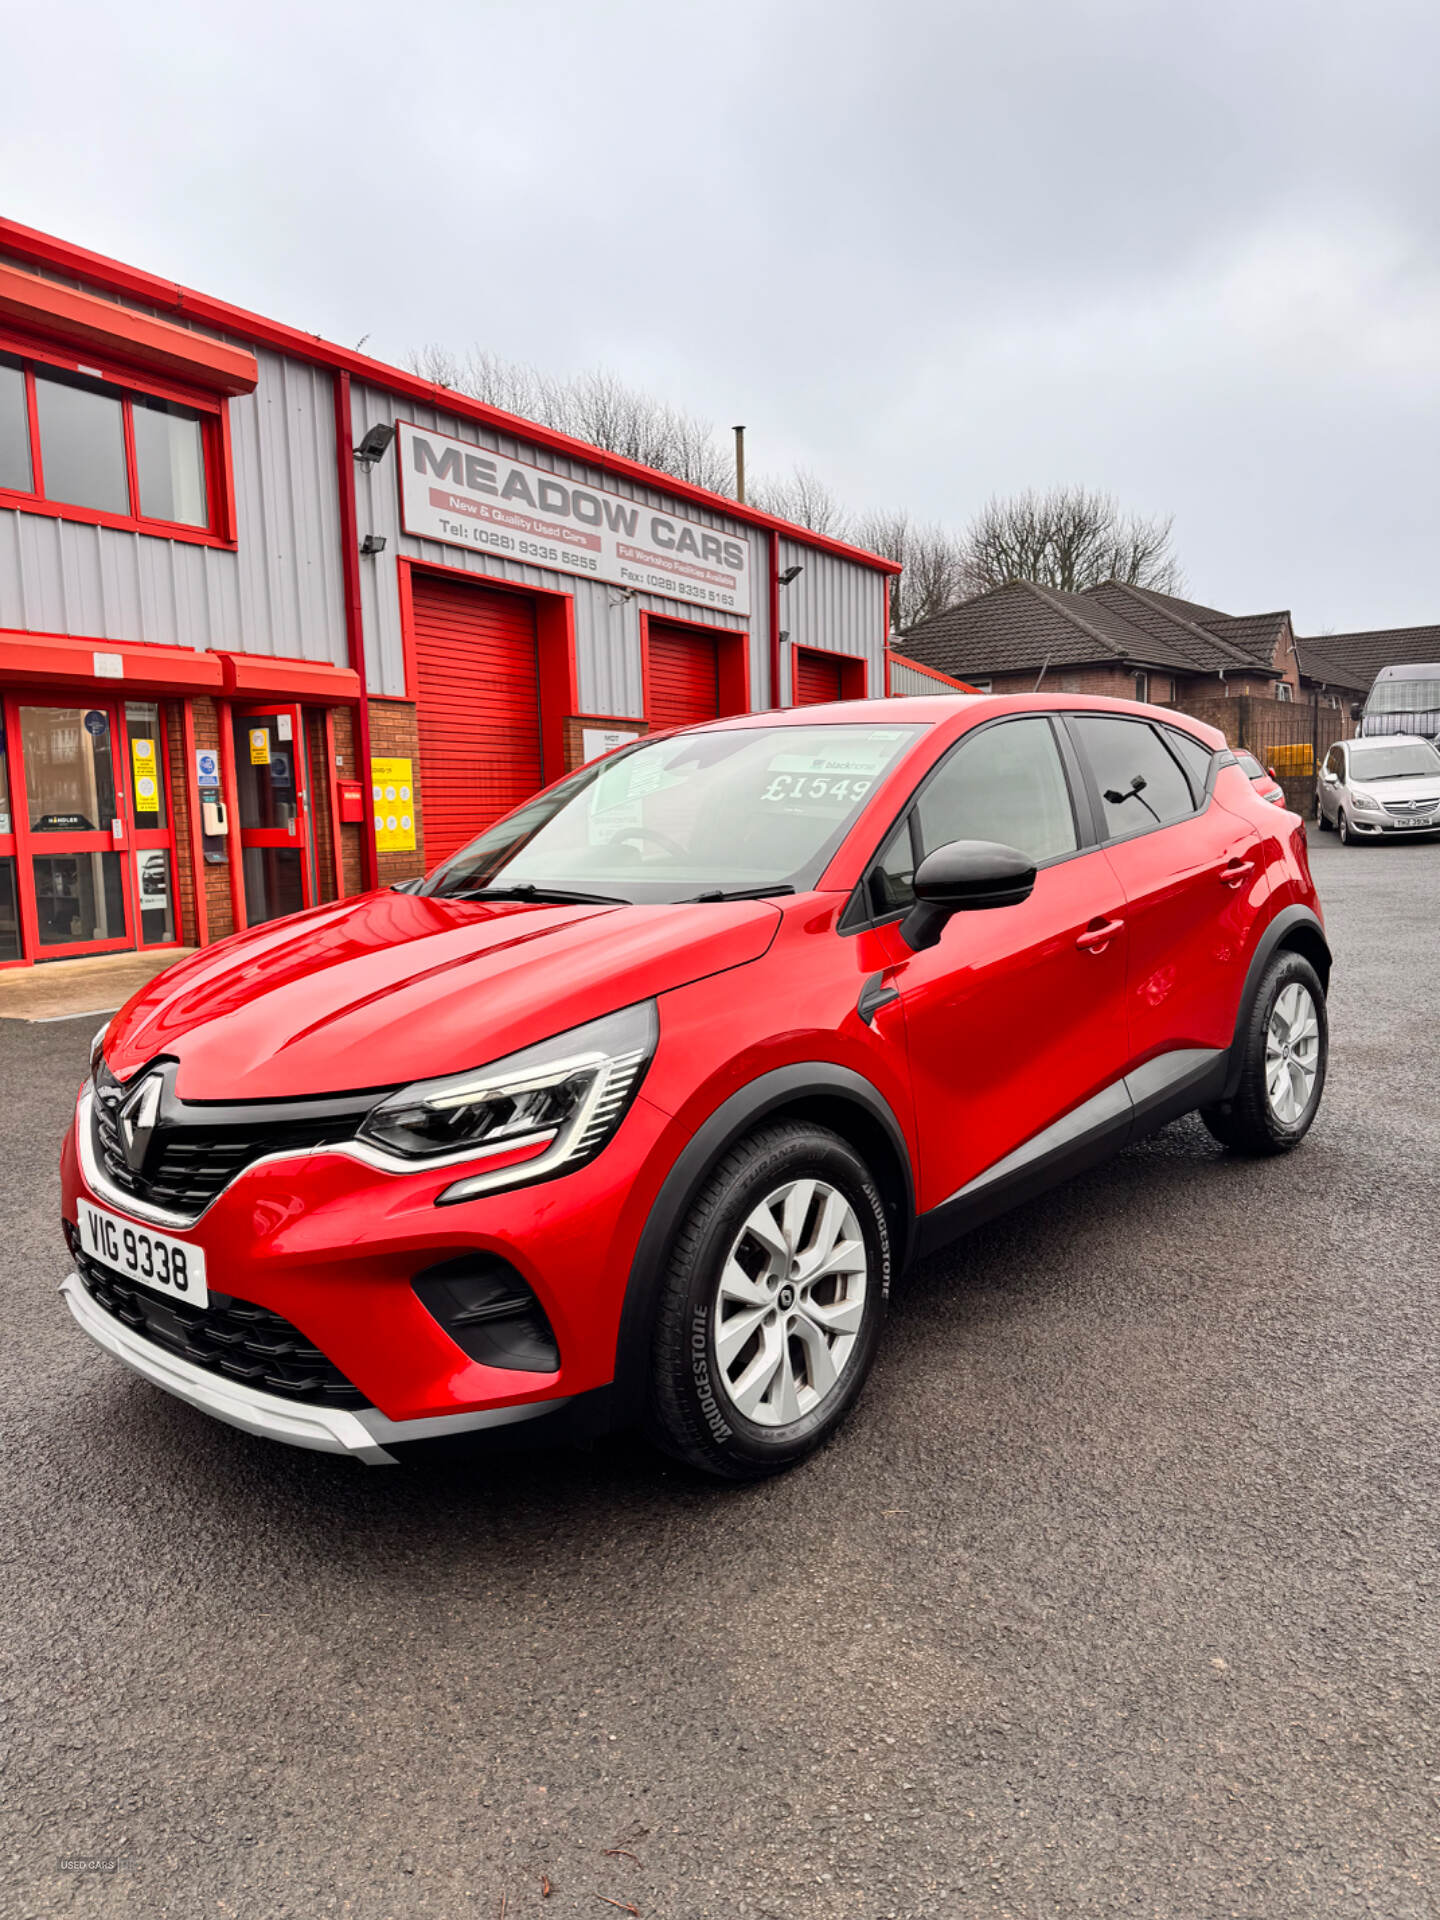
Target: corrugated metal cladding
(835, 607)
(280, 593)
(905, 679)
(607, 628)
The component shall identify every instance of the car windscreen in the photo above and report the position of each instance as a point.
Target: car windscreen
(1420, 695)
(728, 810)
(1393, 763)
(1250, 766)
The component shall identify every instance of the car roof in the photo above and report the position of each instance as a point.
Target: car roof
(1413, 670)
(924, 709)
(1368, 740)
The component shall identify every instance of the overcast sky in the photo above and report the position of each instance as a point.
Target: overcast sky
(1188, 253)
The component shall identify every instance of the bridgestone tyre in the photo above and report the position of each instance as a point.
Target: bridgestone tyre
(1250, 1123)
(718, 1266)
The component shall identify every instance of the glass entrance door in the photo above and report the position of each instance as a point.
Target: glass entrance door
(74, 807)
(151, 830)
(275, 848)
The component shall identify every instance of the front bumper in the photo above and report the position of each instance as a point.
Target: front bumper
(364, 1434)
(1386, 826)
(331, 1244)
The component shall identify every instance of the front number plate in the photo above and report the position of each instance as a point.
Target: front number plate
(156, 1260)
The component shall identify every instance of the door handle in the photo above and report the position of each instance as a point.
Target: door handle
(1234, 871)
(1096, 939)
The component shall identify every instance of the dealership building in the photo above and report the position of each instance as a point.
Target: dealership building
(279, 623)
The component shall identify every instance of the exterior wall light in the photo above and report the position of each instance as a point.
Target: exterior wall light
(374, 446)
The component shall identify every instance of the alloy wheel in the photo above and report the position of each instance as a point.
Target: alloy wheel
(1292, 1053)
(790, 1303)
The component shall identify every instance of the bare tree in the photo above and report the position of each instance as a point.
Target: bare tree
(1069, 538)
(932, 573)
(805, 500)
(594, 406)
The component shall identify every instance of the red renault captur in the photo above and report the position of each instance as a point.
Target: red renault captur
(631, 1111)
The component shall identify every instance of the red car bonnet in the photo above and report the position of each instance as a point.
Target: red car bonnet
(394, 987)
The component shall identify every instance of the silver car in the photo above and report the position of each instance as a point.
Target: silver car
(1374, 789)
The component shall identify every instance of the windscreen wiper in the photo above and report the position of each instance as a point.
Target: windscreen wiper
(547, 896)
(736, 893)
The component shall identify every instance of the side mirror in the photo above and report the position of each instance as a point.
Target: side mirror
(1357, 708)
(964, 876)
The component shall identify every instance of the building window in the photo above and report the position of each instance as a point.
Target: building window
(1282, 692)
(1142, 686)
(75, 440)
(980, 686)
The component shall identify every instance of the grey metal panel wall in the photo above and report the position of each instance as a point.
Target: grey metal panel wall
(279, 593)
(292, 597)
(906, 680)
(607, 627)
(834, 606)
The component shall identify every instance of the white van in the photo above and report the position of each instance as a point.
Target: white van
(1403, 700)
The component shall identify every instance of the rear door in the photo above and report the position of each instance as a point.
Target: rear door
(1191, 875)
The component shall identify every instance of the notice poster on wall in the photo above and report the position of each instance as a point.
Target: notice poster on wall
(597, 740)
(147, 785)
(392, 789)
(259, 746)
(467, 496)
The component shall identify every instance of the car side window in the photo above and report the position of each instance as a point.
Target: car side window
(891, 882)
(1139, 780)
(1194, 756)
(1005, 783)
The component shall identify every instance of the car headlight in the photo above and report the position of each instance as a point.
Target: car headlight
(1363, 799)
(563, 1099)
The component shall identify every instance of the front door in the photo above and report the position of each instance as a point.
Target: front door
(276, 854)
(73, 797)
(1017, 1016)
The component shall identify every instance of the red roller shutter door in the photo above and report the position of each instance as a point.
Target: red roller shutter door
(684, 678)
(817, 678)
(477, 670)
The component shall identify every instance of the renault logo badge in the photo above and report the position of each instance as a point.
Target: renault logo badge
(137, 1120)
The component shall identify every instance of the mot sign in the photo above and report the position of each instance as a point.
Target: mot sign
(469, 497)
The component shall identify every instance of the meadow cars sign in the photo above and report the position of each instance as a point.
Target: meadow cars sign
(467, 496)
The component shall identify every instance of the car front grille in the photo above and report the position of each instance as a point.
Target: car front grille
(195, 1150)
(1409, 809)
(230, 1336)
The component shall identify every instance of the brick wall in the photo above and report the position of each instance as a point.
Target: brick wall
(322, 787)
(394, 735)
(219, 912)
(342, 722)
(186, 924)
(1268, 727)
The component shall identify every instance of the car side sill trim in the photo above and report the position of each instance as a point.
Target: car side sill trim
(364, 1433)
(1171, 1084)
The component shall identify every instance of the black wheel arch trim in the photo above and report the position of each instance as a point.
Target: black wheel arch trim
(1297, 928)
(805, 1082)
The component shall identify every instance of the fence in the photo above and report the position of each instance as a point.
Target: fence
(1292, 737)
